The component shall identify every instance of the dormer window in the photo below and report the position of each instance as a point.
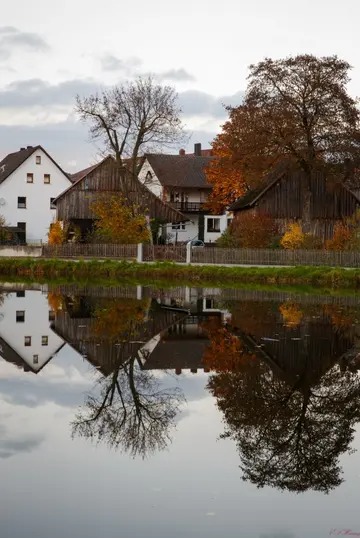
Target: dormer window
(38, 159)
(29, 178)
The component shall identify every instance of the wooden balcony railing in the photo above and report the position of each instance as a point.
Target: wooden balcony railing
(188, 207)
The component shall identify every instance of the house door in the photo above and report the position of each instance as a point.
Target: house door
(22, 232)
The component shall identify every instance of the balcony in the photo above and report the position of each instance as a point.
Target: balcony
(189, 207)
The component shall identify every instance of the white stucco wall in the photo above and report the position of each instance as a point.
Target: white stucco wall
(191, 230)
(36, 326)
(211, 237)
(152, 184)
(37, 215)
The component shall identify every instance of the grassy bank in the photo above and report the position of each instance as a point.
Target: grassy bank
(117, 272)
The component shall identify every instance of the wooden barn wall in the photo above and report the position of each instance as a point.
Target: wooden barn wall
(331, 202)
(110, 180)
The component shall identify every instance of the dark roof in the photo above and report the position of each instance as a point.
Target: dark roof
(180, 170)
(177, 355)
(82, 173)
(250, 198)
(12, 161)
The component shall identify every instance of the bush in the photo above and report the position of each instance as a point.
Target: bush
(250, 231)
(57, 234)
(346, 235)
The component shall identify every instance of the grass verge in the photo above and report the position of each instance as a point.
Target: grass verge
(116, 272)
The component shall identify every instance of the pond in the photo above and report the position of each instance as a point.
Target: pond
(183, 412)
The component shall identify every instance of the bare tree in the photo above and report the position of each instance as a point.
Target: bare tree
(133, 118)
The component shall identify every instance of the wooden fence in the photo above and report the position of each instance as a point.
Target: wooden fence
(207, 255)
(82, 250)
(174, 253)
(233, 256)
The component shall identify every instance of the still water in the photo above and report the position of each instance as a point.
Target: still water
(131, 412)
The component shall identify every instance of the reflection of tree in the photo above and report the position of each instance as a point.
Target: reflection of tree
(131, 411)
(290, 408)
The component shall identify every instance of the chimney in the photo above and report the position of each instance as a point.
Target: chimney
(181, 152)
(197, 149)
(22, 149)
(29, 147)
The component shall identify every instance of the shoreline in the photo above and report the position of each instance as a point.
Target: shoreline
(172, 274)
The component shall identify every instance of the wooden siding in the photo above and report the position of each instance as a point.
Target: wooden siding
(109, 179)
(331, 202)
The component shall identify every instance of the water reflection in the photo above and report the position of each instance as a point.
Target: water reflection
(284, 373)
(290, 395)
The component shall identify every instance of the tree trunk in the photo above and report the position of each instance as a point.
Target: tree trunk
(306, 209)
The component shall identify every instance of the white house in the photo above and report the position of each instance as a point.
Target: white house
(30, 179)
(26, 338)
(215, 226)
(180, 180)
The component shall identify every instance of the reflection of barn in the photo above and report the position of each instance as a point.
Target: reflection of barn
(181, 346)
(299, 354)
(77, 326)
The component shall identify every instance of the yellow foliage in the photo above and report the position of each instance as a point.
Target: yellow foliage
(118, 221)
(57, 234)
(291, 314)
(293, 238)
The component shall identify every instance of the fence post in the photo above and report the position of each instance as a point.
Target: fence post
(188, 252)
(139, 256)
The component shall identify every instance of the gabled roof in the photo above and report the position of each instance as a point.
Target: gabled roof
(180, 170)
(250, 198)
(79, 176)
(12, 161)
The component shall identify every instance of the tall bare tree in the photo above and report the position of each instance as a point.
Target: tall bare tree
(133, 118)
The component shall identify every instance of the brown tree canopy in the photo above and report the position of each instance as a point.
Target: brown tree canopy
(133, 118)
(296, 108)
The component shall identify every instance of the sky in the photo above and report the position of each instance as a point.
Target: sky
(51, 51)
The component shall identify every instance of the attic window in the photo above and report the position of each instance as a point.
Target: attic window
(46, 178)
(38, 159)
(29, 178)
(36, 359)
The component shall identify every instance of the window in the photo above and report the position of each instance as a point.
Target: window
(178, 225)
(44, 340)
(27, 340)
(29, 178)
(20, 316)
(51, 315)
(38, 159)
(22, 232)
(149, 176)
(46, 178)
(213, 225)
(20, 293)
(86, 184)
(22, 202)
(36, 359)
(228, 222)
(52, 205)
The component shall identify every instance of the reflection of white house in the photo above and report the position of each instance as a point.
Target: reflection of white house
(26, 338)
(180, 180)
(29, 182)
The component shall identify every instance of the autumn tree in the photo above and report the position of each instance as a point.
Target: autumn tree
(297, 109)
(117, 221)
(133, 118)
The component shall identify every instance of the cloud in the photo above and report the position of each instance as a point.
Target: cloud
(13, 40)
(178, 75)
(11, 447)
(197, 103)
(37, 92)
(109, 62)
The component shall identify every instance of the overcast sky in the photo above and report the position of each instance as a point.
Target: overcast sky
(50, 51)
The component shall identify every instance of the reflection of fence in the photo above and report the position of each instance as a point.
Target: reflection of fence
(175, 253)
(81, 250)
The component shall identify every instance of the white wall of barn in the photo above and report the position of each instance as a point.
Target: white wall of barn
(37, 214)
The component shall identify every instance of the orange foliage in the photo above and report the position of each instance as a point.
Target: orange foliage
(224, 353)
(341, 239)
(56, 235)
(253, 230)
(119, 221)
(339, 318)
(121, 319)
(55, 301)
(293, 238)
(223, 175)
(291, 314)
